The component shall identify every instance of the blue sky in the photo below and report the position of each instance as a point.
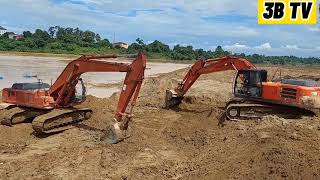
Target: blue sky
(203, 24)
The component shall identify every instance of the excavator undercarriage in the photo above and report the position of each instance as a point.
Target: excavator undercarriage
(14, 115)
(239, 109)
(59, 120)
(43, 120)
(242, 109)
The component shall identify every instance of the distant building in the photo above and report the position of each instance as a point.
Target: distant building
(11, 35)
(19, 37)
(120, 45)
(2, 30)
(14, 36)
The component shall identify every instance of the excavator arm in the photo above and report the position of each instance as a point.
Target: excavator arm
(64, 87)
(174, 97)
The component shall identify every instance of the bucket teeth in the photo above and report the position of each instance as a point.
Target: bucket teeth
(117, 132)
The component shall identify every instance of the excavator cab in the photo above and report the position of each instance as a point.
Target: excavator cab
(248, 83)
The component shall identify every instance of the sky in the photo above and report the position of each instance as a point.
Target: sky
(200, 23)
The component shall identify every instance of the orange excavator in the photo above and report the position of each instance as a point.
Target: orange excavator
(254, 96)
(52, 108)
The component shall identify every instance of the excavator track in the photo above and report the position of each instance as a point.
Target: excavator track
(251, 110)
(12, 115)
(59, 120)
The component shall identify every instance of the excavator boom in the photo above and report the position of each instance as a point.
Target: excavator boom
(68, 78)
(174, 97)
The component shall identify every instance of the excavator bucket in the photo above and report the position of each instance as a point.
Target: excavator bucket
(172, 99)
(116, 132)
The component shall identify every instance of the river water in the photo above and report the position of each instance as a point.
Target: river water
(21, 69)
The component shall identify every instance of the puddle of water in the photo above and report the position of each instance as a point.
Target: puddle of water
(27, 69)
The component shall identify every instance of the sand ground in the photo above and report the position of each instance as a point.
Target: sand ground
(185, 143)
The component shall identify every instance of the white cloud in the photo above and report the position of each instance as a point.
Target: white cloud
(113, 16)
(97, 2)
(203, 7)
(291, 47)
(243, 46)
(218, 7)
(264, 46)
(179, 21)
(235, 46)
(314, 29)
(267, 49)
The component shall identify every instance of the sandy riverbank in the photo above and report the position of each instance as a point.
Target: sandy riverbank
(16, 68)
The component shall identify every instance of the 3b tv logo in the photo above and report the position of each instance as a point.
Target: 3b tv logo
(287, 11)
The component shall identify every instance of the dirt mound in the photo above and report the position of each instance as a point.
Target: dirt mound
(185, 143)
(154, 88)
(311, 102)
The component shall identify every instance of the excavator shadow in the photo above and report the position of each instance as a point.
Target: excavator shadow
(80, 126)
(178, 109)
(221, 116)
(42, 135)
(89, 128)
(108, 136)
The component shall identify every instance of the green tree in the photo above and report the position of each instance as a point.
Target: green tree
(98, 38)
(29, 42)
(219, 51)
(89, 37)
(183, 53)
(27, 34)
(134, 48)
(157, 47)
(140, 42)
(6, 35)
(53, 30)
(73, 40)
(104, 43)
(40, 38)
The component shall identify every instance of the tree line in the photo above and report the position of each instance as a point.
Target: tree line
(75, 41)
